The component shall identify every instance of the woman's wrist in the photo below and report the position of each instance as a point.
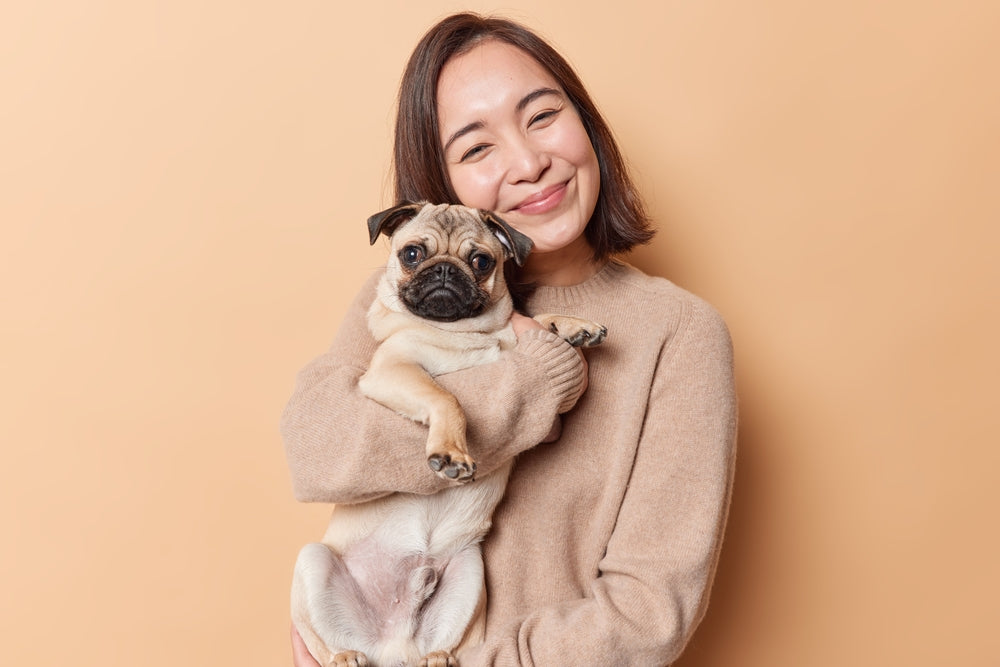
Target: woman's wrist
(523, 323)
(564, 365)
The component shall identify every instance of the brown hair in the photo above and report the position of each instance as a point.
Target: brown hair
(619, 221)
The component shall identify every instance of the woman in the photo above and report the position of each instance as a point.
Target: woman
(604, 547)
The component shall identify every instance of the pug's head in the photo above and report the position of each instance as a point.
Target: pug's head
(446, 262)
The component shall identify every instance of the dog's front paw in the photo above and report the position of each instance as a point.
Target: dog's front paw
(350, 659)
(587, 336)
(457, 468)
(576, 331)
(439, 659)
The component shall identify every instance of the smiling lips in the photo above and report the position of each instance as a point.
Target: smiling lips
(542, 202)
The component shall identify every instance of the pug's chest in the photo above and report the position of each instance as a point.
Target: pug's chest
(465, 350)
(441, 347)
(440, 352)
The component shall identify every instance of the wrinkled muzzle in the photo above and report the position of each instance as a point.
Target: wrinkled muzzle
(443, 293)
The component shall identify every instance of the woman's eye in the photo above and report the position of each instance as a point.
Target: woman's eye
(543, 117)
(481, 263)
(411, 255)
(473, 152)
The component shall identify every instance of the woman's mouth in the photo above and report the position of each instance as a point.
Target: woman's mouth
(542, 201)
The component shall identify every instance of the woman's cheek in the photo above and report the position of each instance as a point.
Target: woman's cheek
(476, 188)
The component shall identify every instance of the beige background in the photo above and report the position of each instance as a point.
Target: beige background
(183, 187)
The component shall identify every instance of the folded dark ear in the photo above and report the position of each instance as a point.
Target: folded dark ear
(388, 220)
(517, 244)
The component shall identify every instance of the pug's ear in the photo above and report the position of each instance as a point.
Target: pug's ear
(388, 220)
(518, 245)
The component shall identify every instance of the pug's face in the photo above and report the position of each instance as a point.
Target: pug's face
(446, 262)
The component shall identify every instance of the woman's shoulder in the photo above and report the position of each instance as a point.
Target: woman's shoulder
(687, 328)
(647, 292)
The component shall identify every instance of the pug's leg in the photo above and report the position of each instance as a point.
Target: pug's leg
(457, 600)
(576, 331)
(328, 609)
(408, 389)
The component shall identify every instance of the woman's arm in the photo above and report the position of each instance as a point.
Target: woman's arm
(343, 447)
(652, 590)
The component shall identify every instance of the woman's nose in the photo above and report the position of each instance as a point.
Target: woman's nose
(527, 163)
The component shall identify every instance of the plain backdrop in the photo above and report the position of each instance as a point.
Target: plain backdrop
(183, 190)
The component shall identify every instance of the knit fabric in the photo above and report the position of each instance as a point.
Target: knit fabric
(604, 547)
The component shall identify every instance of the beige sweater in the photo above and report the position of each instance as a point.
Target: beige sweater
(604, 547)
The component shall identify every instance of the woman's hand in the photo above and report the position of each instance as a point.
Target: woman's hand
(301, 657)
(523, 323)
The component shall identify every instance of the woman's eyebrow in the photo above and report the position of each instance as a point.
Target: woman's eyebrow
(458, 134)
(535, 94)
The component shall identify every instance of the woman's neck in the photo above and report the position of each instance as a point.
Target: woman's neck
(567, 266)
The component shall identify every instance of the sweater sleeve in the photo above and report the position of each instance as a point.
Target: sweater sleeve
(652, 585)
(343, 447)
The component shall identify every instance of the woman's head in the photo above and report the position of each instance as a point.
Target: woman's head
(466, 46)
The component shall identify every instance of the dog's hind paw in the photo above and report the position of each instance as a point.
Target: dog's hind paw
(439, 659)
(350, 659)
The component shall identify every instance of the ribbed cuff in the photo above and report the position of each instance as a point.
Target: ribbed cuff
(560, 362)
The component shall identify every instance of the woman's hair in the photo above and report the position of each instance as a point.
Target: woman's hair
(619, 221)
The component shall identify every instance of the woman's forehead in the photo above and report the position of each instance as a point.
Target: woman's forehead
(491, 75)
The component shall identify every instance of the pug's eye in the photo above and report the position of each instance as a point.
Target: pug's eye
(481, 263)
(411, 255)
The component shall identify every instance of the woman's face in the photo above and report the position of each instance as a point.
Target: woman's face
(514, 144)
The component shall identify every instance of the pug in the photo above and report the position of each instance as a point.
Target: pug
(399, 580)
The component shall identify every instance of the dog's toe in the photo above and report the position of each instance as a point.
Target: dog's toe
(350, 659)
(438, 659)
(597, 337)
(588, 337)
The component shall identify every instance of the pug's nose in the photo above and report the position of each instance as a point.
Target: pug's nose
(443, 271)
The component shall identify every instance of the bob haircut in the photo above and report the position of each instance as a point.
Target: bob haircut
(619, 222)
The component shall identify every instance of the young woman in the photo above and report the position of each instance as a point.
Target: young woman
(604, 547)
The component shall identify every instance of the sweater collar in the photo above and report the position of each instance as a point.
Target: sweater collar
(549, 298)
